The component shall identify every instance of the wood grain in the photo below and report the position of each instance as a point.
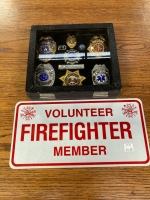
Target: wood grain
(131, 20)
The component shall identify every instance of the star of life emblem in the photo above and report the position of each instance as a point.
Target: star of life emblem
(100, 75)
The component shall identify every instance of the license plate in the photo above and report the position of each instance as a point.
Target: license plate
(79, 133)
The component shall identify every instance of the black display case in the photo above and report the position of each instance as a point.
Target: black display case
(77, 61)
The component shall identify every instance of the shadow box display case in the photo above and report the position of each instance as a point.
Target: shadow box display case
(76, 61)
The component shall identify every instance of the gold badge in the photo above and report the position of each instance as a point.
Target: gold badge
(47, 45)
(72, 78)
(97, 44)
(71, 41)
(46, 48)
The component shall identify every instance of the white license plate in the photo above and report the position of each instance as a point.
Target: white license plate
(79, 133)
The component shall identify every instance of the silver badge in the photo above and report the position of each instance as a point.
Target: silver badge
(72, 56)
(100, 75)
(44, 75)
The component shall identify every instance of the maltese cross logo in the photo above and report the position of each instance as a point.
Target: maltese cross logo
(129, 110)
(28, 113)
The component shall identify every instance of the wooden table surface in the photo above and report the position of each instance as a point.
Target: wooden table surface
(131, 19)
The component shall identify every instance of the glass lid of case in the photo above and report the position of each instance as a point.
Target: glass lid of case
(72, 58)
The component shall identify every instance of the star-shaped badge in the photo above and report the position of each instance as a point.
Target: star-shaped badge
(72, 78)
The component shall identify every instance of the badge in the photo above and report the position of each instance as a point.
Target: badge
(71, 41)
(100, 75)
(44, 75)
(97, 44)
(72, 78)
(72, 56)
(81, 47)
(47, 48)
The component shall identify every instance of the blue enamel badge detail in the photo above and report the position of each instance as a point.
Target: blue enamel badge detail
(101, 78)
(43, 77)
(45, 49)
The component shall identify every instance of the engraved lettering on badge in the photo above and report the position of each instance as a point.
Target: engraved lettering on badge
(62, 47)
(128, 147)
(65, 67)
